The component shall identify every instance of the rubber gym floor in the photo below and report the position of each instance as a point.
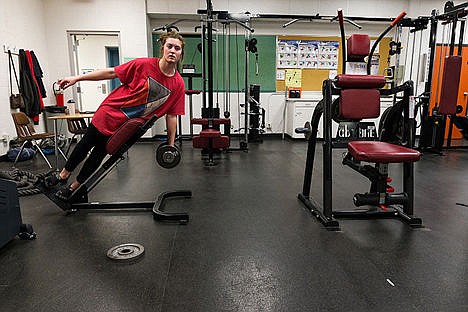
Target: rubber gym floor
(250, 245)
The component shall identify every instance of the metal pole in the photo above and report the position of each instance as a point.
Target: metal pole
(210, 58)
(203, 65)
(246, 91)
(327, 150)
(227, 72)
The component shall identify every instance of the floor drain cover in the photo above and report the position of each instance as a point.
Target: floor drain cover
(126, 252)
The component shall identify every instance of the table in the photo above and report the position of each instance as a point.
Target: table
(64, 117)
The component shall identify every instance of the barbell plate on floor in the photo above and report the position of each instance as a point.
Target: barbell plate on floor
(126, 252)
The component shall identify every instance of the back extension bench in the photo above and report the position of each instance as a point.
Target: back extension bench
(116, 146)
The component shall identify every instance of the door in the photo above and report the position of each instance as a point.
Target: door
(91, 51)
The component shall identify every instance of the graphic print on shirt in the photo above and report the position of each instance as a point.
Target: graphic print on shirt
(146, 101)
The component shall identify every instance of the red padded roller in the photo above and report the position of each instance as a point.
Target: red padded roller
(360, 81)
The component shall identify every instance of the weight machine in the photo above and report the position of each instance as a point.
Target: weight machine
(359, 98)
(433, 126)
(210, 138)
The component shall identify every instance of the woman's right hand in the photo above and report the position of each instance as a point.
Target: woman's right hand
(67, 82)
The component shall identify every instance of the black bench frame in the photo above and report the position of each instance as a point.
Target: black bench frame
(79, 199)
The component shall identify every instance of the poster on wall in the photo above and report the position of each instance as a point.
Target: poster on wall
(287, 54)
(328, 55)
(307, 54)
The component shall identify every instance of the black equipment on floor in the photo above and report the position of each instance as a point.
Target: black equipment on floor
(433, 123)
(256, 115)
(119, 143)
(359, 98)
(190, 92)
(11, 223)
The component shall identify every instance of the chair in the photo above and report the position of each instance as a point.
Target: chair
(26, 133)
(76, 126)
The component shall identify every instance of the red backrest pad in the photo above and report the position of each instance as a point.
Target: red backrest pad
(123, 134)
(359, 103)
(358, 46)
(450, 84)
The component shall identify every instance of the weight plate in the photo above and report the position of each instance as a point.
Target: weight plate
(167, 156)
(126, 252)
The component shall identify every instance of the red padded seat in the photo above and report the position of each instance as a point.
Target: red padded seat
(210, 133)
(221, 141)
(382, 152)
(211, 137)
(123, 134)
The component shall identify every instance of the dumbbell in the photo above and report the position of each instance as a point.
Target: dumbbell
(167, 156)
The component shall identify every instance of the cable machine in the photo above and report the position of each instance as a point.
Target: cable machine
(434, 123)
(210, 139)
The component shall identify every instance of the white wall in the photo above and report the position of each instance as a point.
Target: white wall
(126, 17)
(22, 26)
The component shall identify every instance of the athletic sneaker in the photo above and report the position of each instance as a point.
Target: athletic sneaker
(64, 193)
(53, 180)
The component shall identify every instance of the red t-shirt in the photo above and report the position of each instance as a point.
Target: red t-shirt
(145, 91)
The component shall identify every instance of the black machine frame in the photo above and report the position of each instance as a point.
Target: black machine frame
(324, 211)
(433, 126)
(79, 198)
(400, 205)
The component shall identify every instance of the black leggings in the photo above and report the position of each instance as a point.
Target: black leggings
(92, 140)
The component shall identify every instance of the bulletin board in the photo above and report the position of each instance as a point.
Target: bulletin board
(315, 57)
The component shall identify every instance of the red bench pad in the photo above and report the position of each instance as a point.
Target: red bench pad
(123, 134)
(382, 152)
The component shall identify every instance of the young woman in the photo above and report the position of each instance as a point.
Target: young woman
(150, 86)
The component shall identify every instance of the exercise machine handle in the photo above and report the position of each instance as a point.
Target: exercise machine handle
(399, 17)
(340, 17)
(374, 46)
(343, 40)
